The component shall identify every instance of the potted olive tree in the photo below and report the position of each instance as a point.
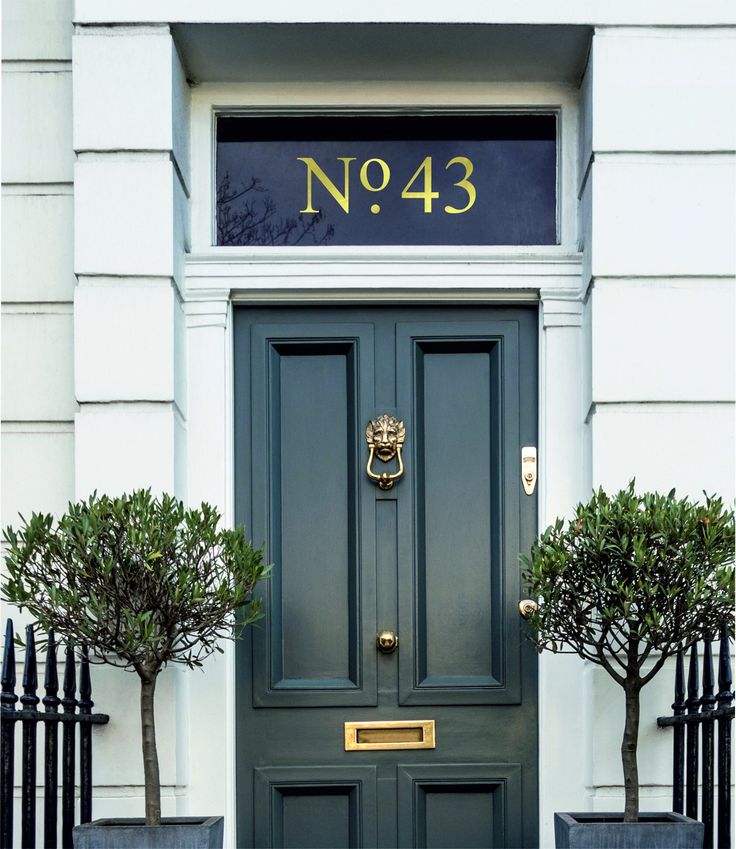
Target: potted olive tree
(144, 583)
(626, 582)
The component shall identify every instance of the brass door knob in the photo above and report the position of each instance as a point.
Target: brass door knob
(527, 607)
(387, 642)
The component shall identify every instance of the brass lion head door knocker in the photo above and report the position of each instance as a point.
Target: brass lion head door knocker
(385, 438)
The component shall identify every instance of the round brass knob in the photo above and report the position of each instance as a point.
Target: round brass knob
(527, 607)
(387, 642)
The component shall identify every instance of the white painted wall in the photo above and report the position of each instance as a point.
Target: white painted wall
(38, 401)
(131, 385)
(660, 171)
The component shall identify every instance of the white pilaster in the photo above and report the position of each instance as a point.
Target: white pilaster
(130, 234)
(208, 372)
(211, 786)
(129, 342)
(562, 483)
(660, 214)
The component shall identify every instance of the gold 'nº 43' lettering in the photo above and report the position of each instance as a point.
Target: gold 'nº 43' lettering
(375, 175)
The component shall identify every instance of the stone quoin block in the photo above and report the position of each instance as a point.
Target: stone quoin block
(687, 446)
(124, 216)
(37, 470)
(124, 342)
(41, 30)
(125, 446)
(663, 340)
(37, 352)
(129, 93)
(38, 106)
(655, 93)
(30, 274)
(669, 215)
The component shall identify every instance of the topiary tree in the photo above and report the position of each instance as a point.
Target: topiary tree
(143, 582)
(627, 582)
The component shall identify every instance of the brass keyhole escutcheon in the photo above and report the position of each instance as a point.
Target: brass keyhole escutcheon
(387, 642)
(385, 438)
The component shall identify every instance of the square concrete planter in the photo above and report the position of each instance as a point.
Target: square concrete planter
(173, 833)
(608, 831)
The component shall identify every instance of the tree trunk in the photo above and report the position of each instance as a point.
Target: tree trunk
(628, 753)
(150, 755)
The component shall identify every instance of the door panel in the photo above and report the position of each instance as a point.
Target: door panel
(310, 390)
(460, 382)
(435, 559)
(316, 808)
(476, 806)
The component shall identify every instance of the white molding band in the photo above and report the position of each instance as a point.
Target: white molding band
(351, 277)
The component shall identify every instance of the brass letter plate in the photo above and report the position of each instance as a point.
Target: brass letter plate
(382, 736)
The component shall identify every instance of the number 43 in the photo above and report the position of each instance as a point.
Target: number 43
(427, 195)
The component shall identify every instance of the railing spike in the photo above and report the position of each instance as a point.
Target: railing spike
(691, 734)
(8, 677)
(678, 741)
(68, 769)
(707, 727)
(7, 733)
(70, 680)
(679, 704)
(724, 697)
(725, 678)
(51, 748)
(85, 740)
(85, 684)
(51, 678)
(708, 701)
(693, 677)
(29, 699)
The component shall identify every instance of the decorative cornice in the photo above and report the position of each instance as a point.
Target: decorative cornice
(392, 275)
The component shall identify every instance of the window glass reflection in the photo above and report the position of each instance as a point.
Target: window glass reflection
(440, 180)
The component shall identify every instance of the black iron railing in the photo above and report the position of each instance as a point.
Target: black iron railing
(29, 717)
(696, 720)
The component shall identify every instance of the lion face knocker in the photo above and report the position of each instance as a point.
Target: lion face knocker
(385, 438)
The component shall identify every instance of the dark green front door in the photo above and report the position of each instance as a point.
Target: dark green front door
(433, 559)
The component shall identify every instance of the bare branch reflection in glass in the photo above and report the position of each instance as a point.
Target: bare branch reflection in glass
(247, 215)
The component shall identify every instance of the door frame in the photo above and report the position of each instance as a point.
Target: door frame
(553, 277)
(561, 473)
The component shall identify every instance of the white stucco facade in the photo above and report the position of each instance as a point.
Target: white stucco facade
(116, 366)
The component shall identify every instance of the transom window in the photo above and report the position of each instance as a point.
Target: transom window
(486, 179)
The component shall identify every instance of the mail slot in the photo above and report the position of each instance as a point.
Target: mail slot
(383, 736)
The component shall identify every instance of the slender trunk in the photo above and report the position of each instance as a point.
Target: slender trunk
(628, 752)
(150, 755)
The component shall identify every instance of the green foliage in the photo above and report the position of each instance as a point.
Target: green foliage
(142, 581)
(632, 575)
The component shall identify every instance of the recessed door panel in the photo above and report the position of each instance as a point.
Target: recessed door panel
(460, 540)
(476, 806)
(456, 398)
(312, 422)
(309, 808)
(308, 397)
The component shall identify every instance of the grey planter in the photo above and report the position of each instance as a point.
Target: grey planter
(608, 831)
(173, 833)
